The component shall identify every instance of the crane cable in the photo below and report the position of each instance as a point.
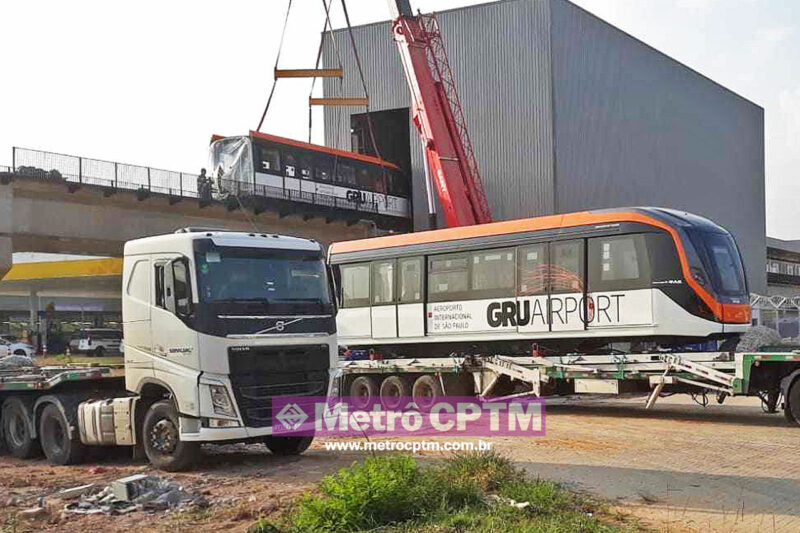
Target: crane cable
(366, 94)
(277, 58)
(329, 28)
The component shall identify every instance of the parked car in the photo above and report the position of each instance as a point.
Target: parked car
(96, 341)
(11, 347)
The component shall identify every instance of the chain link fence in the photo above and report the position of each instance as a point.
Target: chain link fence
(781, 313)
(51, 166)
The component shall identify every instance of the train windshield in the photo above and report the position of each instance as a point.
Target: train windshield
(277, 280)
(721, 258)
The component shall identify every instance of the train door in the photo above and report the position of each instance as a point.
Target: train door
(383, 312)
(619, 282)
(410, 303)
(567, 282)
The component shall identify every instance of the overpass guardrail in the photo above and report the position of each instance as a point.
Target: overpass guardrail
(55, 167)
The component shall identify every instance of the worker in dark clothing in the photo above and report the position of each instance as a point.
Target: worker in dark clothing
(203, 186)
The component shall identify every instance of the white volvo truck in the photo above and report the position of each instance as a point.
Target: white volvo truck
(216, 323)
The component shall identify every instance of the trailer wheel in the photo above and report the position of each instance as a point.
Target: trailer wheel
(362, 390)
(287, 445)
(58, 447)
(792, 409)
(17, 430)
(161, 438)
(393, 388)
(425, 391)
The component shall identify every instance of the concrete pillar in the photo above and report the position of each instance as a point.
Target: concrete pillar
(6, 228)
(5, 256)
(33, 307)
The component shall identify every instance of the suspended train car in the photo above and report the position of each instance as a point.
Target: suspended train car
(573, 281)
(302, 178)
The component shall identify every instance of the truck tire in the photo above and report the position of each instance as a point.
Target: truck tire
(792, 409)
(17, 430)
(363, 390)
(99, 351)
(56, 443)
(425, 391)
(393, 388)
(161, 439)
(287, 445)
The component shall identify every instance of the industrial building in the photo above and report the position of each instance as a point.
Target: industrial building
(566, 113)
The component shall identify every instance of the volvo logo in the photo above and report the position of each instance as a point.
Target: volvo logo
(279, 326)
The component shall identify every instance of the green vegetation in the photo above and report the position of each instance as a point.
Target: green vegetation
(477, 492)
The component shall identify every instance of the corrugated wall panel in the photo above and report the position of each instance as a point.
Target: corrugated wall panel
(500, 57)
(634, 127)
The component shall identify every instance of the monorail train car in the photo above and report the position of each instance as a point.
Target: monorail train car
(321, 179)
(650, 276)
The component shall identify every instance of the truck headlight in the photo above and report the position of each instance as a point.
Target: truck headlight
(221, 401)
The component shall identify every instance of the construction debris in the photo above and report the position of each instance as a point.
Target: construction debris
(136, 493)
(16, 361)
(756, 337)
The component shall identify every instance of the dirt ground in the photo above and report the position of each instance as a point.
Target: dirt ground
(678, 468)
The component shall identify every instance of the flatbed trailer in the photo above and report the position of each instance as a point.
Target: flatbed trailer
(770, 376)
(31, 396)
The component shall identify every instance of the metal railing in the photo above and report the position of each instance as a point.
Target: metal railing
(69, 169)
(55, 167)
(243, 190)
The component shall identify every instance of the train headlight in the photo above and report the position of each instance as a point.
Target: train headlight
(221, 400)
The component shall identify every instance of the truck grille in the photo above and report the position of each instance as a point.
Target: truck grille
(258, 373)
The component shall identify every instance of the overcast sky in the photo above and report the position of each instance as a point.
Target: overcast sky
(149, 82)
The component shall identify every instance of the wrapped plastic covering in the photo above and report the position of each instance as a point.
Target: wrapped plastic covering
(231, 166)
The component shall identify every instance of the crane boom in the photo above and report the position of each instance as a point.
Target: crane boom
(438, 116)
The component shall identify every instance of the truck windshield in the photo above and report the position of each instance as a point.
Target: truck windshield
(237, 275)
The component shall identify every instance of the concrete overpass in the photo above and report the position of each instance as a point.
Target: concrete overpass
(42, 214)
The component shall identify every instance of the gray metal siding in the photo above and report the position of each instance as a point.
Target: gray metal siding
(500, 56)
(631, 126)
(634, 127)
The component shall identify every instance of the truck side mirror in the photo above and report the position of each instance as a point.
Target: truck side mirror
(181, 287)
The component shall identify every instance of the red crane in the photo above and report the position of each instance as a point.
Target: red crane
(438, 115)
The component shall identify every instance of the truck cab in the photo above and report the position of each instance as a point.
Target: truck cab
(216, 323)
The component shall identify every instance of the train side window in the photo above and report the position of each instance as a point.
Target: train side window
(323, 167)
(379, 177)
(305, 166)
(448, 277)
(345, 174)
(566, 269)
(533, 270)
(290, 165)
(355, 285)
(410, 271)
(362, 176)
(493, 273)
(617, 263)
(383, 282)
(270, 161)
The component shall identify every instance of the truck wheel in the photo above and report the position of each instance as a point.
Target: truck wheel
(17, 430)
(99, 351)
(54, 436)
(425, 391)
(161, 438)
(392, 389)
(792, 409)
(362, 390)
(287, 445)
